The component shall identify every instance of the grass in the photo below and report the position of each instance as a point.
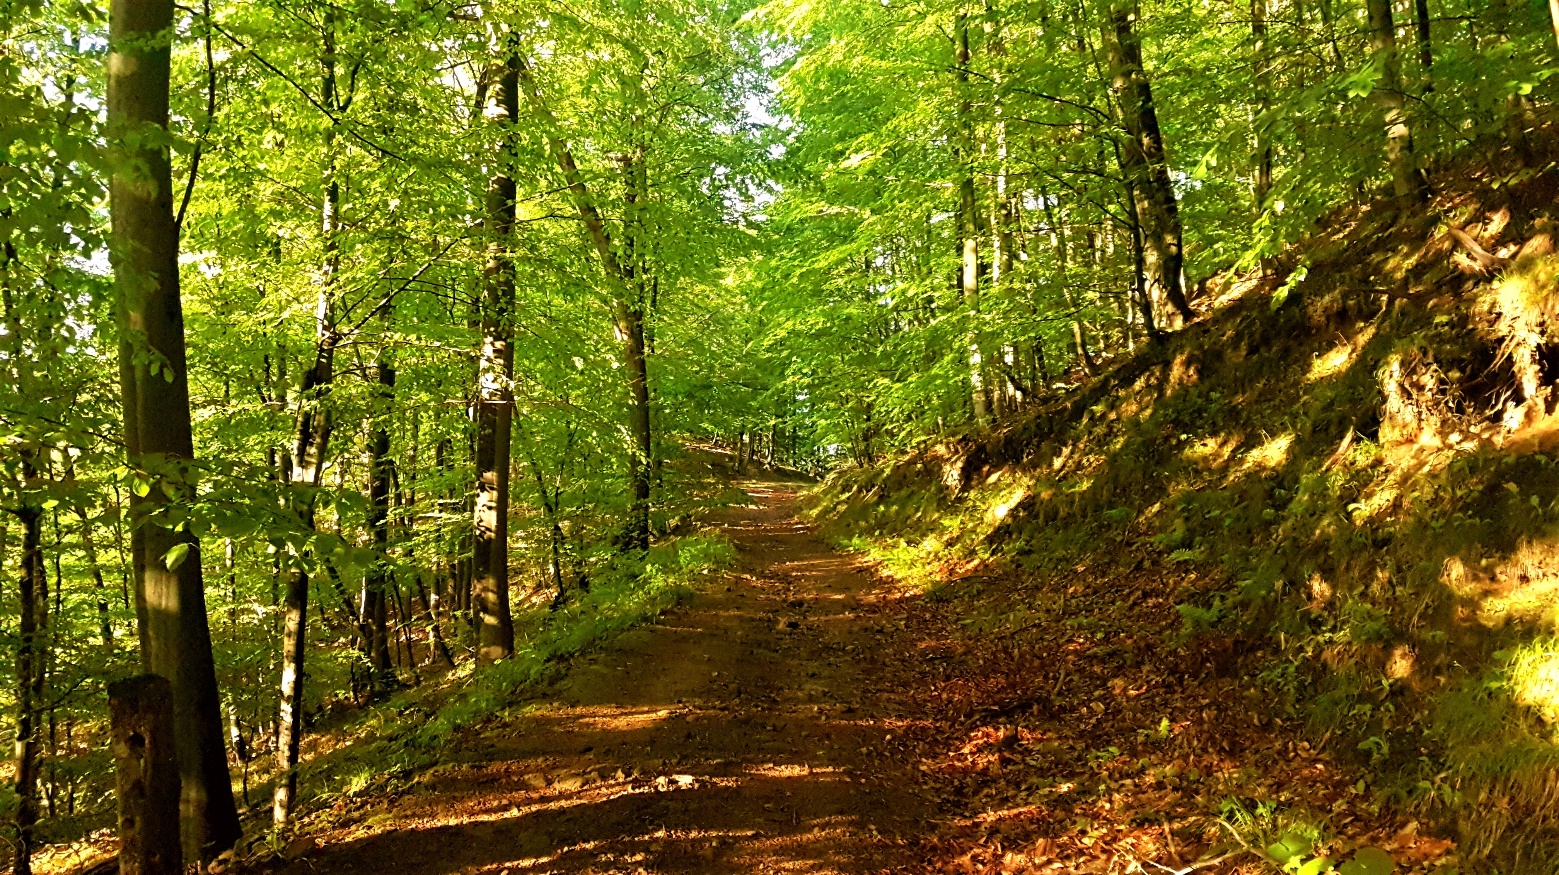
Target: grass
(1340, 486)
(390, 743)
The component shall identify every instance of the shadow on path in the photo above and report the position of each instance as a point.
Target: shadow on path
(750, 731)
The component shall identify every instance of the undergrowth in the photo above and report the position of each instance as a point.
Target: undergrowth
(392, 741)
(1351, 493)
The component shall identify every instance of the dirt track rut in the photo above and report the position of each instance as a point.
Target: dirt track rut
(759, 728)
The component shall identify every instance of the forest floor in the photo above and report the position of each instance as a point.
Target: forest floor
(764, 726)
(803, 713)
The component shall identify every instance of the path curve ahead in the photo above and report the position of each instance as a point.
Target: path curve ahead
(759, 728)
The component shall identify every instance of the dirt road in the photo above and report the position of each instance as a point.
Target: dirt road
(760, 728)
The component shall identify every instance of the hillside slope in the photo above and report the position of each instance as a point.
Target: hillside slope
(1331, 502)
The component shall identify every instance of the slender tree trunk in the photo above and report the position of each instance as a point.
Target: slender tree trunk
(377, 578)
(627, 308)
(630, 323)
(1140, 292)
(1262, 159)
(32, 632)
(310, 443)
(495, 404)
(1263, 63)
(1059, 242)
(170, 593)
(32, 591)
(1407, 183)
(1144, 164)
(1425, 47)
(969, 221)
(1002, 211)
(1329, 25)
(436, 646)
(99, 585)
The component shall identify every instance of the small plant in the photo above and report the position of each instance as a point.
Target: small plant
(1197, 620)
(1100, 757)
(1291, 842)
(1295, 854)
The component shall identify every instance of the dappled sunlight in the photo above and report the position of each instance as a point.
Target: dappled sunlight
(1534, 678)
(1000, 509)
(1271, 455)
(1340, 358)
(745, 732)
(1212, 453)
(1521, 587)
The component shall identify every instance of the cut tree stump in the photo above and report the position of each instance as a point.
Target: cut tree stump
(146, 775)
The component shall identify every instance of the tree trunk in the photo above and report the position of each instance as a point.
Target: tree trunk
(627, 307)
(1407, 183)
(1144, 164)
(170, 593)
(32, 592)
(310, 442)
(146, 775)
(377, 580)
(630, 324)
(1425, 47)
(32, 632)
(99, 585)
(1263, 62)
(969, 223)
(1262, 159)
(495, 403)
(1058, 241)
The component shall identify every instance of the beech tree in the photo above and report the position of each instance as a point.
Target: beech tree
(410, 314)
(495, 398)
(169, 588)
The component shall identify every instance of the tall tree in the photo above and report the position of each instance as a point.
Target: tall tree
(312, 427)
(495, 401)
(170, 592)
(627, 304)
(1406, 180)
(378, 579)
(630, 315)
(969, 217)
(32, 591)
(1144, 162)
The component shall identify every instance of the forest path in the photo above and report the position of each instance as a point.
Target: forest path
(762, 727)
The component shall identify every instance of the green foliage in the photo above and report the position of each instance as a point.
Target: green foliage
(1197, 620)
(814, 174)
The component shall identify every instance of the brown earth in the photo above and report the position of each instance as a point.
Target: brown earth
(762, 727)
(806, 715)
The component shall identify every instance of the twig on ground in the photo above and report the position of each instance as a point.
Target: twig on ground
(1200, 864)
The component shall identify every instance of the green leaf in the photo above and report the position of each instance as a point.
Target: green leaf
(1288, 847)
(1315, 866)
(1369, 861)
(176, 555)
